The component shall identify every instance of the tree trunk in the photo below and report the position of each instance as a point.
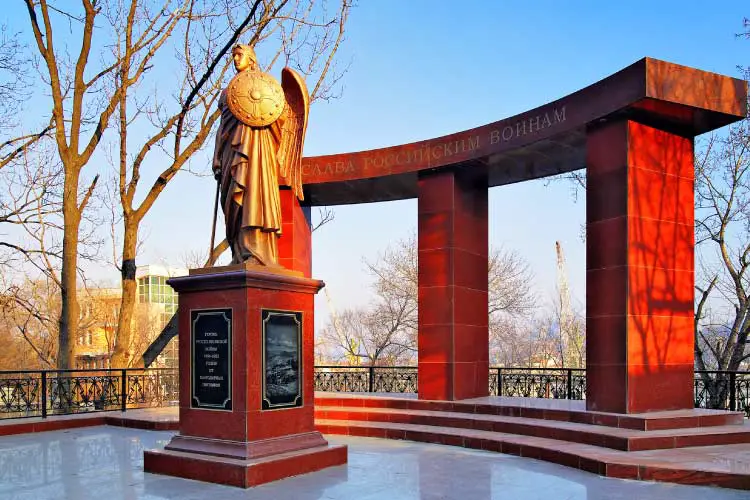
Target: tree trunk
(122, 357)
(69, 314)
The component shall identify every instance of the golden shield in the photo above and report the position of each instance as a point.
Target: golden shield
(255, 98)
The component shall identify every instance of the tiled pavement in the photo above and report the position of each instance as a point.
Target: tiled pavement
(106, 462)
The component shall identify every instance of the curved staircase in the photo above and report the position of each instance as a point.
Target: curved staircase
(685, 446)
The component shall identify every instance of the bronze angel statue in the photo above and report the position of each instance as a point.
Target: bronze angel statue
(259, 141)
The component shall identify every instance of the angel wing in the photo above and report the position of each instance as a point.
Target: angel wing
(294, 128)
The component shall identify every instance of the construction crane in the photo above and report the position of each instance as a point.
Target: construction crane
(566, 314)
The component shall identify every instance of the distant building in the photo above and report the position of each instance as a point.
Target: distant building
(100, 308)
(153, 290)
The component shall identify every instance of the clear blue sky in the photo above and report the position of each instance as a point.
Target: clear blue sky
(421, 69)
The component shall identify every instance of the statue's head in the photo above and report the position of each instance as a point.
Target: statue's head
(244, 57)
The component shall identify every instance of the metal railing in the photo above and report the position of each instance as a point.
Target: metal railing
(41, 393)
(366, 378)
(712, 389)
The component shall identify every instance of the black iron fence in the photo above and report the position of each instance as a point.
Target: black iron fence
(712, 389)
(42, 393)
(60, 392)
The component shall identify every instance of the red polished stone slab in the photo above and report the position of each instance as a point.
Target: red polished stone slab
(662, 292)
(548, 409)
(658, 195)
(659, 150)
(609, 237)
(606, 291)
(243, 450)
(656, 342)
(435, 380)
(660, 244)
(609, 437)
(242, 473)
(602, 343)
(673, 465)
(647, 388)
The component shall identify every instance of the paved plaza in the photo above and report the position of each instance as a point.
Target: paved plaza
(107, 463)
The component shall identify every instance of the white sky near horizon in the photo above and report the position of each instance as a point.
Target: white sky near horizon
(423, 69)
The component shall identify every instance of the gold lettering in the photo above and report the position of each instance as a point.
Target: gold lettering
(447, 150)
(532, 123)
(495, 136)
(560, 117)
(400, 155)
(435, 151)
(474, 142)
(305, 169)
(507, 133)
(518, 128)
(350, 166)
(546, 122)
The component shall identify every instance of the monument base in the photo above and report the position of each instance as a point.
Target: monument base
(239, 472)
(246, 379)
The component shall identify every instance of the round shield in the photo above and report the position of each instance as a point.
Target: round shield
(255, 98)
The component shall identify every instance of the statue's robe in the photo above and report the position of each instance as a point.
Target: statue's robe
(248, 160)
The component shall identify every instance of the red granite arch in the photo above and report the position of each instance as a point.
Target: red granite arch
(633, 131)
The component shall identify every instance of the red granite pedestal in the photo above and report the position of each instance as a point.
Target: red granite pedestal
(245, 445)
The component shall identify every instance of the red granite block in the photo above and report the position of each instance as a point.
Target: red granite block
(605, 197)
(604, 342)
(621, 471)
(660, 292)
(660, 196)
(670, 388)
(658, 244)
(606, 291)
(435, 344)
(659, 150)
(435, 380)
(606, 148)
(655, 342)
(605, 388)
(436, 305)
(609, 238)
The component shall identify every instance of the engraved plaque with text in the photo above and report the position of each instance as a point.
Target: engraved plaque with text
(211, 359)
(282, 359)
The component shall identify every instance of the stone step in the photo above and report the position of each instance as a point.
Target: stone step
(596, 435)
(542, 409)
(661, 465)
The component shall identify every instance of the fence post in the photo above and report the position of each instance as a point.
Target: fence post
(371, 372)
(499, 382)
(569, 387)
(123, 390)
(44, 394)
(733, 391)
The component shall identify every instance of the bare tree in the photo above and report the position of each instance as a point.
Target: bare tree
(118, 45)
(722, 318)
(386, 330)
(205, 33)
